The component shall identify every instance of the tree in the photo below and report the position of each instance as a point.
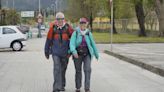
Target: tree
(114, 25)
(159, 8)
(12, 17)
(2, 17)
(114, 14)
(92, 8)
(9, 17)
(84, 8)
(74, 10)
(140, 16)
(123, 9)
(150, 16)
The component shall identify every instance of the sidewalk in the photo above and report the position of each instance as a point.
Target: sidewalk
(148, 56)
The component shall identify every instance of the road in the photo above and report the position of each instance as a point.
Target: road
(29, 71)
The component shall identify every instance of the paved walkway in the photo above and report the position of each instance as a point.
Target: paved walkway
(147, 54)
(29, 71)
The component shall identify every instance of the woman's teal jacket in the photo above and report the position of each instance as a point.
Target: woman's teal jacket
(76, 40)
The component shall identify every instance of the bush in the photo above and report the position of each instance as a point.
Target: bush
(9, 17)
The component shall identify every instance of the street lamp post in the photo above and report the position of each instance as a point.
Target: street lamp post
(13, 4)
(39, 6)
(53, 7)
(0, 4)
(111, 39)
(7, 3)
(48, 9)
(44, 14)
(40, 21)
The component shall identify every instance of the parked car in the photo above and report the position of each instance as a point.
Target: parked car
(12, 37)
(24, 28)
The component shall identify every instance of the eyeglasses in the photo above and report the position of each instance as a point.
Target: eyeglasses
(83, 23)
(59, 19)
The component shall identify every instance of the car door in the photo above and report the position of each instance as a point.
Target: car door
(7, 36)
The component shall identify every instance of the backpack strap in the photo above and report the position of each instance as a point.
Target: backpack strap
(54, 29)
(67, 30)
(53, 33)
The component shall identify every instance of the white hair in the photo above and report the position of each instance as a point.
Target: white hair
(60, 14)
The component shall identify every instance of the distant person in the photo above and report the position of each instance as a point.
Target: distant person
(83, 48)
(57, 44)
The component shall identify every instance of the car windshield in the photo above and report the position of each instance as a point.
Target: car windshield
(20, 29)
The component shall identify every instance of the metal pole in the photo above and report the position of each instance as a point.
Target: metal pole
(39, 6)
(7, 3)
(55, 6)
(0, 4)
(44, 15)
(55, 10)
(39, 24)
(111, 39)
(48, 9)
(13, 4)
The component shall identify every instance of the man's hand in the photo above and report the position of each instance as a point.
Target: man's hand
(47, 56)
(76, 55)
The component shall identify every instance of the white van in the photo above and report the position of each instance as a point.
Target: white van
(12, 37)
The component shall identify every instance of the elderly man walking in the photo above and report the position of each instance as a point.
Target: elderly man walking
(57, 44)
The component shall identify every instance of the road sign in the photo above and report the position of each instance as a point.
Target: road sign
(27, 13)
(39, 15)
(40, 18)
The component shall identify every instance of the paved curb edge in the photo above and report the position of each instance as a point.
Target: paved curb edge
(148, 67)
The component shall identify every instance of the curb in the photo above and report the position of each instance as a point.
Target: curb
(148, 67)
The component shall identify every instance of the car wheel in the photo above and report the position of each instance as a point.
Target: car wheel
(17, 46)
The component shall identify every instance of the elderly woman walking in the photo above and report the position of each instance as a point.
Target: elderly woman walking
(83, 48)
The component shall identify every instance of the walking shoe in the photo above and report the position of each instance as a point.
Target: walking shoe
(87, 90)
(77, 90)
(56, 91)
(62, 89)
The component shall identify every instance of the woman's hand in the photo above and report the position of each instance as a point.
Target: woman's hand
(76, 55)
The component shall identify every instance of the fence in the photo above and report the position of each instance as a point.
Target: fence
(129, 26)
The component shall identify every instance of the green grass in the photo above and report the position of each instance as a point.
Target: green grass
(125, 38)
